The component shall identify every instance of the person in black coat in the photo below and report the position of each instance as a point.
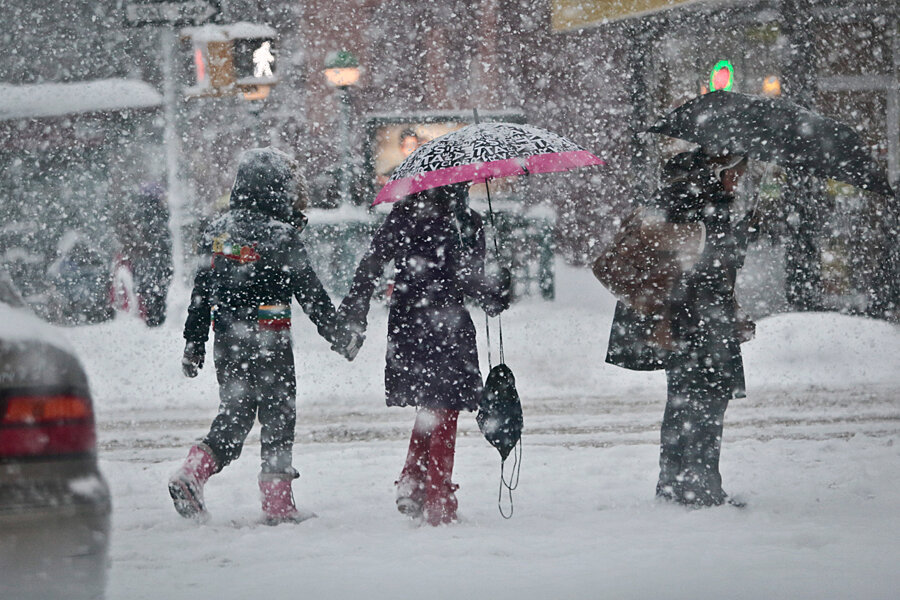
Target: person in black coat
(146, 249)
(437, 245)
(703, 363)
(255, 263)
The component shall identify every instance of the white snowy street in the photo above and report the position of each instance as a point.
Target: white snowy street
(813, 450)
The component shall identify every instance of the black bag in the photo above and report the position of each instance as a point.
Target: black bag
(500, 411)
(500, 421)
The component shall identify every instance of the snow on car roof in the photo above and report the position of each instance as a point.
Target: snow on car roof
(58, 99)
(20, 325)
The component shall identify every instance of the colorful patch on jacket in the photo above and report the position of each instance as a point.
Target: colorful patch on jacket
(274, 316)
(243, 254)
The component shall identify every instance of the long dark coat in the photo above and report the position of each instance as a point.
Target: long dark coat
(143, 231)
(432, 358)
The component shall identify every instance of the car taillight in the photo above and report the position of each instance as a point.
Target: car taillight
(46, 425)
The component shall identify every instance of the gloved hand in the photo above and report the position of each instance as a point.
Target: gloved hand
(192, 360)
(348, 346)
(503, 297)
(745, 329)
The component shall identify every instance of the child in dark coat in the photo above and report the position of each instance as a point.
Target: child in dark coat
(437, 245)
(254, 264)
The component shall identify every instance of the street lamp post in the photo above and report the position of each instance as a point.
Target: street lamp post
(342, 71)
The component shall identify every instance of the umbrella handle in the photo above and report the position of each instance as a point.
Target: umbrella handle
(487, 329)
(487, 187)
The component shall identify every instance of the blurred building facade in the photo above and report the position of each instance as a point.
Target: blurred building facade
(832, 244)
(593, 70)
(79, 126)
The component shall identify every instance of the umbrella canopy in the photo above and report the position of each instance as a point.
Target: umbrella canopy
(776, 131)
(480, 152)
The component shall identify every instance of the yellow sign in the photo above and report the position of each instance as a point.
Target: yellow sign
(575, 14)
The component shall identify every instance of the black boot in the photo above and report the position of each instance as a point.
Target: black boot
(701, 482)
(671, 451)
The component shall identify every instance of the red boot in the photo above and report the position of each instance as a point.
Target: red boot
(411, 484)
(186, 484)
(277, 498)
(440, 498)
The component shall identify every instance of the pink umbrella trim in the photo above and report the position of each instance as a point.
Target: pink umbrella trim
(550, 162)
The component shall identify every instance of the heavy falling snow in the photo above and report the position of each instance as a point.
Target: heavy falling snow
(173, 166)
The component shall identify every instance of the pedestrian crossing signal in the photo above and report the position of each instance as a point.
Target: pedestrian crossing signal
(721, 77)
(254, 60)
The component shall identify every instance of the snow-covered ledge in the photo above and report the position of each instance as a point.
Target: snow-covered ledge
(59, 99)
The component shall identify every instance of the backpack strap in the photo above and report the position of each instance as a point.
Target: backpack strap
(513, 481)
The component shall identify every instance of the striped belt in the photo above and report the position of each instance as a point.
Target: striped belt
(274, 316)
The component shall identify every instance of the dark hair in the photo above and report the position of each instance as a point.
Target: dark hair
(408, 132)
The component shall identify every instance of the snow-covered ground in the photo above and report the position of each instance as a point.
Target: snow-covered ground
(814, 450)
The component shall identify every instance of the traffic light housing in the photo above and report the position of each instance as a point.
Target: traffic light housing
(230, 59)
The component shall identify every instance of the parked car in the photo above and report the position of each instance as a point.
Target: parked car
(54, 502)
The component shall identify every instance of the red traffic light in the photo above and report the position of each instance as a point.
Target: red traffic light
(721, 77)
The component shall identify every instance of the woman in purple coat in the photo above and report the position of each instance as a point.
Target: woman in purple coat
(437, 245)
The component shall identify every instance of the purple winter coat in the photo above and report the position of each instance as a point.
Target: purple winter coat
(432, 358)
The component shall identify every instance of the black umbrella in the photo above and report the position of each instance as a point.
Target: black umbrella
(776, 131)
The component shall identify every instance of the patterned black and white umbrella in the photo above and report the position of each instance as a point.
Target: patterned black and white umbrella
(481, 152)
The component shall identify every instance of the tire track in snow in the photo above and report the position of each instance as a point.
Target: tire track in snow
(576, 421)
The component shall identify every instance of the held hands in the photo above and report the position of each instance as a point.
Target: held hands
(192, 360)
(348, 346)
(745, 328)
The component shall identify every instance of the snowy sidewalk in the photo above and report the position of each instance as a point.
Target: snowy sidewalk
(814, 450)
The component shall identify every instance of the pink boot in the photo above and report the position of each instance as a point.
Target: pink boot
(186, 484)
(277, 498)
(440, 497)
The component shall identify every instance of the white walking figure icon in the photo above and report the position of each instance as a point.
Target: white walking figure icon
(262, 60)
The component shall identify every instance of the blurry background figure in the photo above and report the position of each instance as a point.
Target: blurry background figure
(80, 280)
(300, 203)
(408, 142)
(142, 228)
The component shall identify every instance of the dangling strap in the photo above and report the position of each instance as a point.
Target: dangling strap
(513, 482)
(500, 329)
(487, 329)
